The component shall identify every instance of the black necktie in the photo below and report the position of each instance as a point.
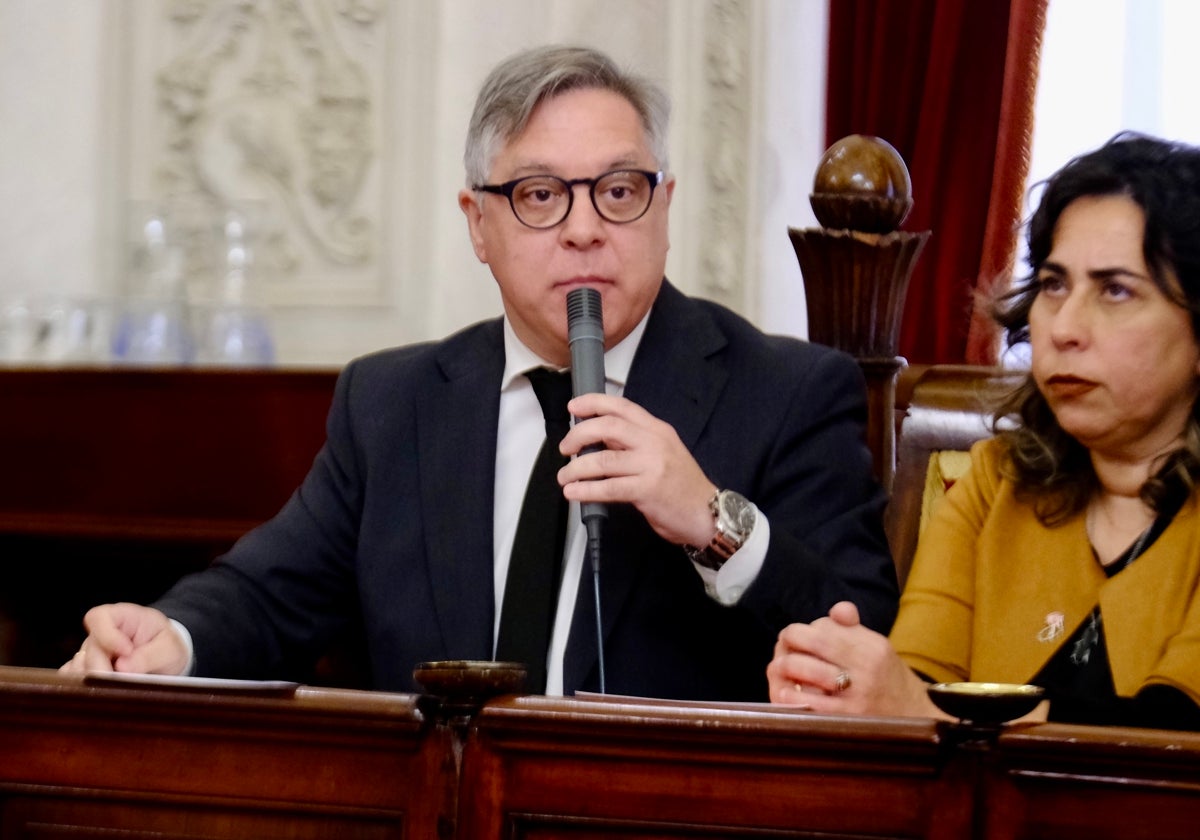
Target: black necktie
(531, 593)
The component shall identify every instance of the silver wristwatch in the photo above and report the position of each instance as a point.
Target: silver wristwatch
(734, 518)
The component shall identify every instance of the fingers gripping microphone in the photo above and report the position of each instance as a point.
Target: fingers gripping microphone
(585, 334)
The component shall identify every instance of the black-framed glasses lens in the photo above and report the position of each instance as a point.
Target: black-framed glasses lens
(543, 201)
(540, 200)
(624, 195)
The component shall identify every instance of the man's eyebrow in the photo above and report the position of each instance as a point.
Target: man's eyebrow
(534, 167)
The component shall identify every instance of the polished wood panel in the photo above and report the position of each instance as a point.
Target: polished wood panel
(117, 482)
(92, 761)
(550, 768)
(147, 454)
(1062, 782)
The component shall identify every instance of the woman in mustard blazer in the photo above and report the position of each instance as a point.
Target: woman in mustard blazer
(1069, 555)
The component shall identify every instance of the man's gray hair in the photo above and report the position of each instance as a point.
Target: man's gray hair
(519, 84)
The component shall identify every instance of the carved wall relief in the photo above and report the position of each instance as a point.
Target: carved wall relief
(271, 104)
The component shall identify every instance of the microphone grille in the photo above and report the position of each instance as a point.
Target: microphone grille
(583, 304)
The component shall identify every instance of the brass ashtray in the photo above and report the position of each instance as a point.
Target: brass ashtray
(471, 679)
(986, 703)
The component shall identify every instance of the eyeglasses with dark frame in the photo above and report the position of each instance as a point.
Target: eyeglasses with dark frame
(544, 201)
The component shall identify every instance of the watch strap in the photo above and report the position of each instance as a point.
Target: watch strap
(721, 547)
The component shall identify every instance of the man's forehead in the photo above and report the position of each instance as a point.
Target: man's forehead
(581, 132)
(589, 107)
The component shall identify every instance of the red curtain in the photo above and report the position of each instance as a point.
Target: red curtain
(950, 84)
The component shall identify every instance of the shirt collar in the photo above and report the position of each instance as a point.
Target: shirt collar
(518, 358)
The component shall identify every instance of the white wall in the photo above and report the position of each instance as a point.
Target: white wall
(1135, 70)
(791, 133)
(51, 177)
(82, 126)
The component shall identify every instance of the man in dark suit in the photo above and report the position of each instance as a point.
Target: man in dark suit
(733, 466)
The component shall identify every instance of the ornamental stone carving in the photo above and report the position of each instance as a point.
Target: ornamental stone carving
(272, 104)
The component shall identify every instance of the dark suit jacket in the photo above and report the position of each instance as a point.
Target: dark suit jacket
(394, 522)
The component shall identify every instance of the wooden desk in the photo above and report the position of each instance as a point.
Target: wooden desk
(101, 762)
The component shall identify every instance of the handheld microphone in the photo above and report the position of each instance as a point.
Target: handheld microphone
(585, 335)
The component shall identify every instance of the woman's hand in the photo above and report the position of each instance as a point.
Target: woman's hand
(837, 665)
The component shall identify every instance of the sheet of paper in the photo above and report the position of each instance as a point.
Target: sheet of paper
(201, 684)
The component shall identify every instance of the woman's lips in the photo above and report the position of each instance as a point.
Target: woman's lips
(1069, 386)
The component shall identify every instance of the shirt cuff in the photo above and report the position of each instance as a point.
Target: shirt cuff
(186, 638)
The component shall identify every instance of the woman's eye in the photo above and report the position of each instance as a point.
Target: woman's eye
(1116, 291)
(1050, 283)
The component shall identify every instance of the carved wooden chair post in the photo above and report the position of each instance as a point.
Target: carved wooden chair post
(856, 270)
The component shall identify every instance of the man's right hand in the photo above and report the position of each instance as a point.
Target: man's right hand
(131, 639)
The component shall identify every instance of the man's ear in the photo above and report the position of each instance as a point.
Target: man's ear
(468, 201)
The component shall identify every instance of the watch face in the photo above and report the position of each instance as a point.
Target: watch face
(737, 514)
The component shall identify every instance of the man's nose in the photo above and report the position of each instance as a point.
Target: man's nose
(583, 226)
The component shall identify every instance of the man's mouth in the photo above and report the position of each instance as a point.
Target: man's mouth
(585, 281)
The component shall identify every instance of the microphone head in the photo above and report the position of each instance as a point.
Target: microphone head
(584, 316)
(585, 336)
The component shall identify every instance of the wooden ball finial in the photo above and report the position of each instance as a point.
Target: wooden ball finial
(862, 183)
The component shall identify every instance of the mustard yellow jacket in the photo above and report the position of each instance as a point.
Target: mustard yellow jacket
(989, 584)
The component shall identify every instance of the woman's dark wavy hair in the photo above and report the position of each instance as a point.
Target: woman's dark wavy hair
(1052, 469)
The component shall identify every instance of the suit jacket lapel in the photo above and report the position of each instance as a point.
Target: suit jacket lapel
(457, 427)
(677, 376)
